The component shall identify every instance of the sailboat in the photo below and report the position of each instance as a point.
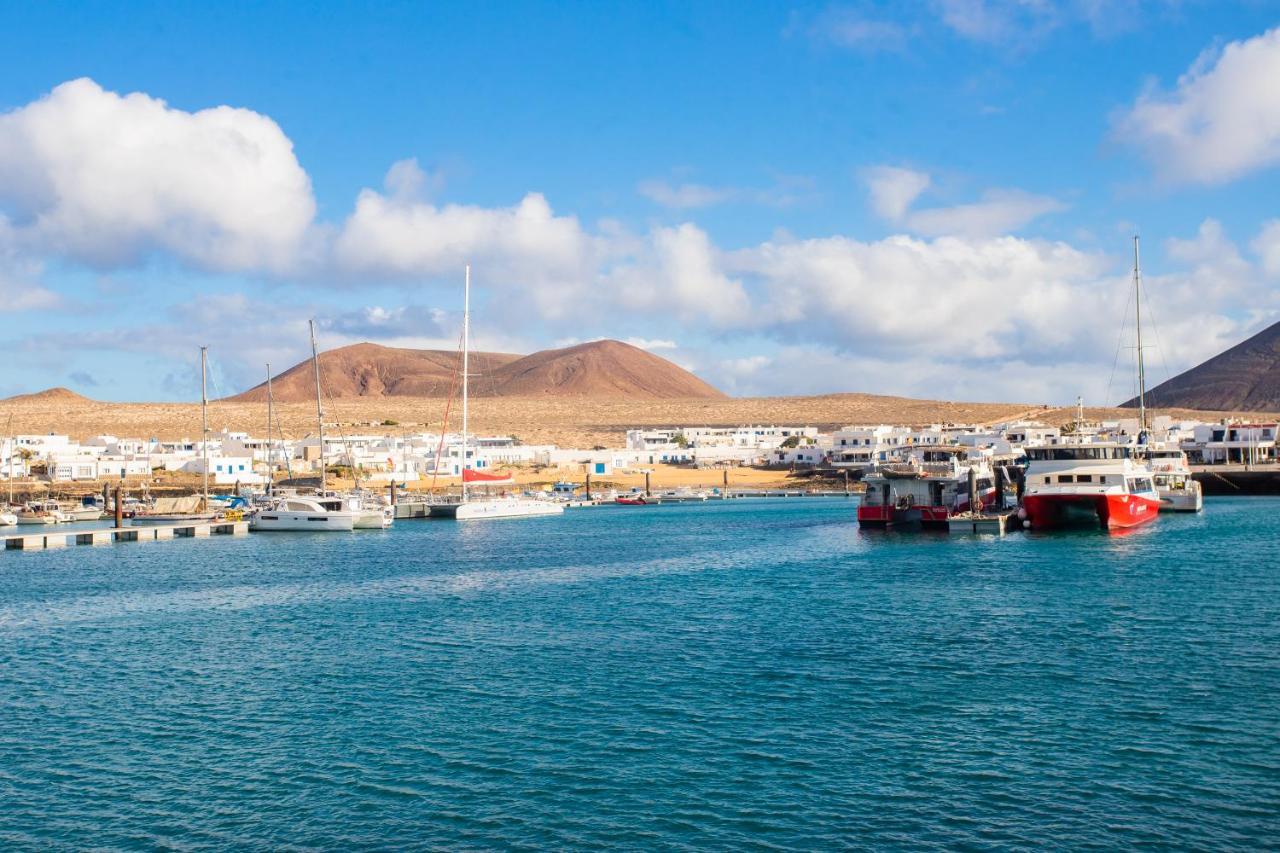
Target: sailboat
(321, 512)
(1108, 483)
(512, 506)
(196, 507)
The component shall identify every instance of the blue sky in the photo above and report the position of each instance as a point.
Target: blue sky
(932, 199)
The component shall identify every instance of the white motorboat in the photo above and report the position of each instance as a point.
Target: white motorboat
(371, 513)
(305, 513)
(42, 512)
(1178, 490)
(8, 519)
(82, 512)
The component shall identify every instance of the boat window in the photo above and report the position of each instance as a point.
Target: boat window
(1084, 478)
(1066, 478)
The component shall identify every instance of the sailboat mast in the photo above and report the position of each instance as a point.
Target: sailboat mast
(315, 363)
(271, 478)
(466, 345)
(204, 421)
(1142, 370)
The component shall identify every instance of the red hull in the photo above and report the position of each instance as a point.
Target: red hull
(631, 501)
(1046, 512)
(928, 516)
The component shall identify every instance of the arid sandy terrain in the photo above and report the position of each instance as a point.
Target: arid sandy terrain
(564, 421)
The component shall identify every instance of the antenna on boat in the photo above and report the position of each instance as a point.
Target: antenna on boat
(315, 363)
(1142, 371)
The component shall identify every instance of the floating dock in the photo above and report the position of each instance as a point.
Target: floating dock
(996, 523)
(51, 537)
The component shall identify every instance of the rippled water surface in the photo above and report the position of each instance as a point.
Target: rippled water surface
(719, 675)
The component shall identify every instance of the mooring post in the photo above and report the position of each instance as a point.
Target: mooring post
(846, 482)
(392, 487)
(588, 485)
(647, 493)
(119, 508)
(726, 482)
(999, 473)
(975, 499)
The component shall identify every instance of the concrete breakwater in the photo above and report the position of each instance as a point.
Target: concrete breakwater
(1217, 480)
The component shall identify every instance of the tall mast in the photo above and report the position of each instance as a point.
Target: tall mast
(466, 344)
(204, 421)
(315, 363)
(1142, 370)
(271, 479)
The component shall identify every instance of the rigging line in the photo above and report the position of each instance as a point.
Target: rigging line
(444, 425)
(1124, 324)
(1168, 374)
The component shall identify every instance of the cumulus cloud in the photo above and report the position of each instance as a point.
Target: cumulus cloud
(1221, 120)
(680, 274)
(1267, 245)
(107, 178)
(998, 21)
(376, 323)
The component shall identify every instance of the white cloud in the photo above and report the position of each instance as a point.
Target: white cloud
(1220, 122)
(685, 196)
(894, 189)
(1267, 245)
(852, 28)
(106, 179)
(526, 249)
(788, 190)
(680, 274)
(998, 212)
(998, 21)
(652, 343)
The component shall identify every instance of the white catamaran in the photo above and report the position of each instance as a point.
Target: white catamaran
(512, 506)
(321, 511)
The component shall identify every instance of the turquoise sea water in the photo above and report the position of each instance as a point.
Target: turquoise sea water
(722, 675)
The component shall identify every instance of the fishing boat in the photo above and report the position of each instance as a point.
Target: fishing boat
(321, 512)
(1099, 483)
(504, 506)
(929, 487)
(1178, 490)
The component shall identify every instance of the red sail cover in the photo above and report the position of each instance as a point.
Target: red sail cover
(469, 476)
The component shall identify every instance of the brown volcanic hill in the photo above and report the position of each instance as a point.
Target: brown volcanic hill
(370, 370)
(49, 395)
(595, 369)
(599, 369)
(1244, 378)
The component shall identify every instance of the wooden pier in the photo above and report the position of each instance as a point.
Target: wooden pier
(51, 537)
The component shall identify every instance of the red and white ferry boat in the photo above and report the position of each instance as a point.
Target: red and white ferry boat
(1099, 483)
(927, 489)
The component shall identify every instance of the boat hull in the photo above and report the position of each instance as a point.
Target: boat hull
(1047, 512)
(174, 518)
(267, 521)
(1182, 501)
(506, 509)
(373, 520)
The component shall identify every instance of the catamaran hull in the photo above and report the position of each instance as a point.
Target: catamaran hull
(1047, 512)
(378, 520)
(506, 509)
